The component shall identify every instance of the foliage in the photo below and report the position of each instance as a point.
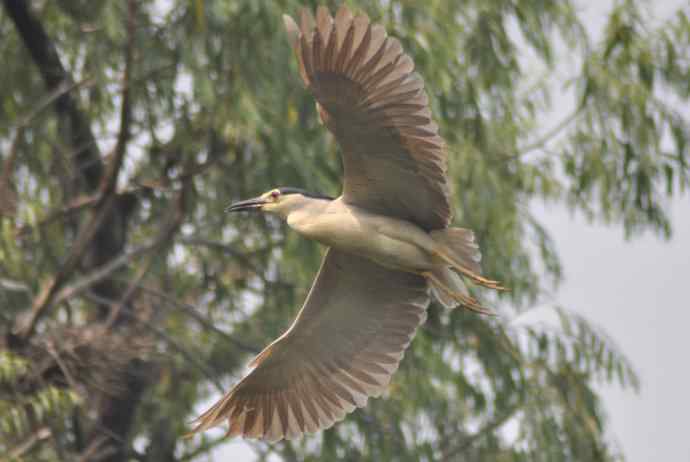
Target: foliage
(38, 412)
(130, 298)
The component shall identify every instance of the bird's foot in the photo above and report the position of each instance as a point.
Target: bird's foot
(477, 279)
(471, 275)
(466, 301)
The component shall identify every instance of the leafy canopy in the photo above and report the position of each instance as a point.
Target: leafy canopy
(130, 299)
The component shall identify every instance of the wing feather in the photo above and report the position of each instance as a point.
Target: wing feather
(343, 26)
(374, 103)
(306, 22)
(306, 59)
(343, 348)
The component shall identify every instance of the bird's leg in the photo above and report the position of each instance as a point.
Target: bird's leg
(465, 301)
(474, 277)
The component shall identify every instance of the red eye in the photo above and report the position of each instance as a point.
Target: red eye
(275, 194)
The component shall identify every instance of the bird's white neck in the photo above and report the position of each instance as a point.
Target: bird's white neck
(304, 211)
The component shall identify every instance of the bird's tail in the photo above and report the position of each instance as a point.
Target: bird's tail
(457, 248)
(458, 255)
(459, 245)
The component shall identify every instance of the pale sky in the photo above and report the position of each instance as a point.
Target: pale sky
(637, 291)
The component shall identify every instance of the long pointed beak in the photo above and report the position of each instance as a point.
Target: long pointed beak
(249, 204)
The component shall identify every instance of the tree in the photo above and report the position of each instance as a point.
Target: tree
(129, 297)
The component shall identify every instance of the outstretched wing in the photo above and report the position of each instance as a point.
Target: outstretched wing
(368, 96)
(343, 347)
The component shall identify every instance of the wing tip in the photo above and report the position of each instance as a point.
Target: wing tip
(306, 20)
(296, 414)
(292, 29)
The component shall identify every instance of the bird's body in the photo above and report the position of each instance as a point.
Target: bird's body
(390, 242)
(389, 247)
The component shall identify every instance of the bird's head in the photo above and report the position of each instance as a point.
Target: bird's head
(280, 201)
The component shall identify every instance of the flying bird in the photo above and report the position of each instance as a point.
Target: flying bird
(389, 247)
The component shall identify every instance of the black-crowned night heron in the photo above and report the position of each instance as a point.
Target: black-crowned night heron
(389, 245)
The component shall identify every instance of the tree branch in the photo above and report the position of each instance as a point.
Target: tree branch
(110, 181)
(47, 59)
(102, 272)
(43, 301)
(166, 234)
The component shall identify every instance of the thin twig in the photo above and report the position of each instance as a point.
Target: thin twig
(204, 322)
(485, 430)
(39, 435)
(96, 450)
(8, 199)
(548, 136)
(115, 310)
(81, 202)
(65, 87)
(14, 286)
(52, 351)
(75, 205)
(198, 241)
(204, 448)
